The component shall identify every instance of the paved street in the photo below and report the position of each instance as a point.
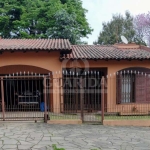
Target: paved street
(40, 136)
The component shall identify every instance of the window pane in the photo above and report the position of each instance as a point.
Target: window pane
(126, 89)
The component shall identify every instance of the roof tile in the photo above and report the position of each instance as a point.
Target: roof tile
(78, 51)
(106, 52)
(35, 44)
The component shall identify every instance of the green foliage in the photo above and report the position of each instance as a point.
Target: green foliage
(66, 27)
(55, 148)
(118, 26)
(33, 19)
(139, 41)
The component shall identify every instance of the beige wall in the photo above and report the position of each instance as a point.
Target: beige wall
(19, 61)
(111, 83)
(50, 62)
(45, 60)
(114, 66)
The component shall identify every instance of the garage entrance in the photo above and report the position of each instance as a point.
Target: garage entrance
(24, 94)
(24, 97)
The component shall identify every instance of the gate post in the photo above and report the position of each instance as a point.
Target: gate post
(102, 98)
(81, 100)
(2, 96)
(61, 95)
(45, 101)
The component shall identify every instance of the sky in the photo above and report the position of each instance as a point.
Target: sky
(100, 11)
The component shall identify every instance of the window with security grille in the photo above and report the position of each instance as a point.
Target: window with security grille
(133, 86)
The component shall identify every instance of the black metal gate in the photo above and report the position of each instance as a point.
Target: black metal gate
(30, 97)
(82, 97)
(24, 97)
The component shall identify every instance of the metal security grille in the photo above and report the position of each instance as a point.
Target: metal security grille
(24, 97)
(75, 95)
(91, 92)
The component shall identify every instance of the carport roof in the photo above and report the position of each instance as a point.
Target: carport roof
(35, 44)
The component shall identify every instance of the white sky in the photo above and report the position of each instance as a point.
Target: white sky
(101, 10)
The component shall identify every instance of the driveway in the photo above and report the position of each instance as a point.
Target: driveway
(40, 136)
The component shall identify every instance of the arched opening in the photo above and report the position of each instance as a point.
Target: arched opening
(135, 70)
(22, 88)
(133, 85)
(6, 70)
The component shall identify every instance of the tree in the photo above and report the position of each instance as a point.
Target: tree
(65, 27)
(142, 26)
(119, 25)
(33, 19)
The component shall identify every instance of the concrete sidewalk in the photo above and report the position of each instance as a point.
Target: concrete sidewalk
(41, 136)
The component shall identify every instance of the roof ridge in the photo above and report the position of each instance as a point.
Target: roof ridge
(95, 45)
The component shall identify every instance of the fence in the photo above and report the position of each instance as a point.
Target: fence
(128, 95)
(88, 95)
(79, 96)
(23, 96)
(37, 97)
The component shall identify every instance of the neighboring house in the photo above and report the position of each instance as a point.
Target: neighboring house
(61, 61)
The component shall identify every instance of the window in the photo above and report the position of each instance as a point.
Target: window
(125, 88)
(126, 84)
(133, 88)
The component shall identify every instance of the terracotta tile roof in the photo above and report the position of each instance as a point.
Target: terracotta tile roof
(106, 52)
(75, 51)
(35, 44)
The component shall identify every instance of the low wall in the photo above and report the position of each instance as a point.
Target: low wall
(144, 123)
(65, 121)
(130, 107)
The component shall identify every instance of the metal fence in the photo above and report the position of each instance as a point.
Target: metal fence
(44, 97)
(89, 96)
(128, 95)
(22, 97)
(80, 96)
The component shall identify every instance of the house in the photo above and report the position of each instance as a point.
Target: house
(26, 63)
